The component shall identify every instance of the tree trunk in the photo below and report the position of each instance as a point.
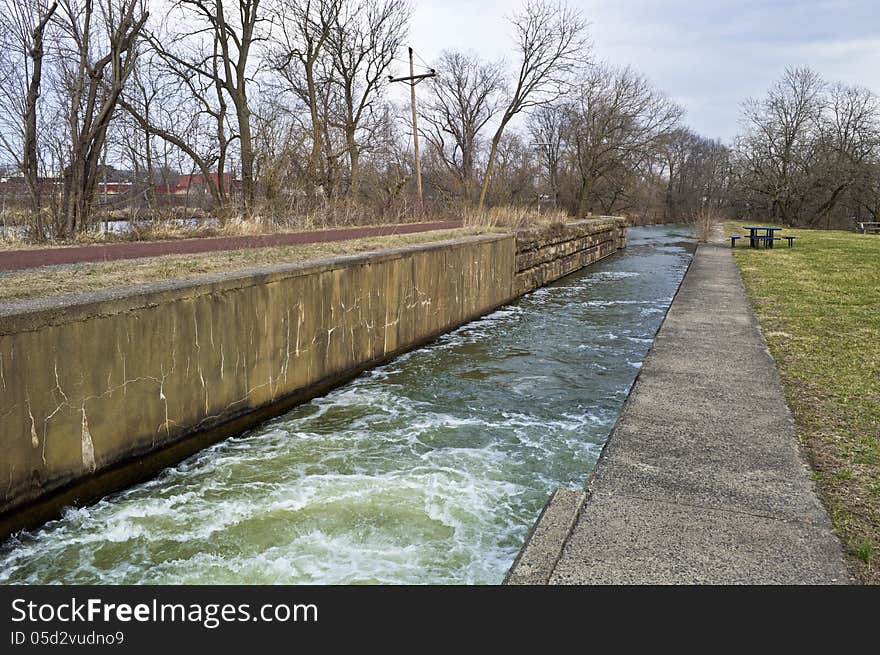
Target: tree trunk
(584, 206)
(317, 138)
(151, 180)
(247, 158)
(354, 160)
(467, 172)
(490, 164)
(30, 163)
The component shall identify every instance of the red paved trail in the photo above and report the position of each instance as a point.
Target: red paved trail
(21, 259)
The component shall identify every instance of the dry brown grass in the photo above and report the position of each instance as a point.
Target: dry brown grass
(705, 223)
(51, 281)
(13, 241)
(193, 222)
(329, 213)
(13, 215)
(513, 217)
(172, 230)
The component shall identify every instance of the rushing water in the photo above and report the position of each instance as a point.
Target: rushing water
(428, 470)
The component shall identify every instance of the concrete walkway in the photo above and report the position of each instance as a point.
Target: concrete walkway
(702, 480)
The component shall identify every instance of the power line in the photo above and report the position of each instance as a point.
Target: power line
(427, 66)
(418, 56)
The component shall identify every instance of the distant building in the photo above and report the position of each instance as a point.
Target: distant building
(116, 183)
(120, 182)
(196, 184)
(113, 188)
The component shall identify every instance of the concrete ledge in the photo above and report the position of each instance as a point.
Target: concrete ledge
(536, 561)
(34, 314)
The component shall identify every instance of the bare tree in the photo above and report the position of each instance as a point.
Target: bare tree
(179, 97)
(281, 149)
(304, 29)
(467, 95)
(546, 125)
(94, 82)
(228, 62)
(363, 39)
(810, 151)
(865, 197)
(849, 144)
(146, 87)
(779, 146)
(23, 25)
(614, 123)
(697, 174)
(514, 181)
(551, 43)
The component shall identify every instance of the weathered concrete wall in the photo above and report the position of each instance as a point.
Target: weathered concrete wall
(546, 254)
(99, 390)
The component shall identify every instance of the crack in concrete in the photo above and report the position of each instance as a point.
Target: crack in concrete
(199, 360)
(35, 441)
(88, 447)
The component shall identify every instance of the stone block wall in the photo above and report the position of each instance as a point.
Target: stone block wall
(545, 254)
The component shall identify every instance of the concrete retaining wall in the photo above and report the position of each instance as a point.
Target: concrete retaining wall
(101, 390)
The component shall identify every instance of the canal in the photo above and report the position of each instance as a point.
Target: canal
(429, 470)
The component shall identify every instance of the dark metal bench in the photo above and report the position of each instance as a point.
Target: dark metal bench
(790, 240)
(733, 239)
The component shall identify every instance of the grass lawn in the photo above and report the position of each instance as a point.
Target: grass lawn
(55, 280)
(819, 308)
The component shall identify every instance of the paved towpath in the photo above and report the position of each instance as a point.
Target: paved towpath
(702, 480)
(11, 260)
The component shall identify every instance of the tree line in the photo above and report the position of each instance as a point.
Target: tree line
(293, 97)
(809, 153)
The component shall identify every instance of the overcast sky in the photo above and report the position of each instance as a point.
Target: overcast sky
(707, 55)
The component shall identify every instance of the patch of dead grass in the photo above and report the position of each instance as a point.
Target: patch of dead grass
(514, 217)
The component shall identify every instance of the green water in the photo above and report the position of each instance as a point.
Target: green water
(428, 470)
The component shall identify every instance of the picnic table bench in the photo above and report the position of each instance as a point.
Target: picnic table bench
(868, 226)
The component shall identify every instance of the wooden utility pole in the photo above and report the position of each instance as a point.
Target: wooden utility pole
(412, 80)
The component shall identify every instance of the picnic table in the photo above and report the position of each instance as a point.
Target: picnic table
(762, 235)
(756, 238)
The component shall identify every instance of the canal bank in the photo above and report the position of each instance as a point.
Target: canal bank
(429, 469)
(102, 390)
(702, 480)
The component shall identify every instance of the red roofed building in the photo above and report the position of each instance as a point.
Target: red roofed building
(196, 183)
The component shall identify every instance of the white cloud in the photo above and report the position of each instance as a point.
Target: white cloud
(707, 55)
